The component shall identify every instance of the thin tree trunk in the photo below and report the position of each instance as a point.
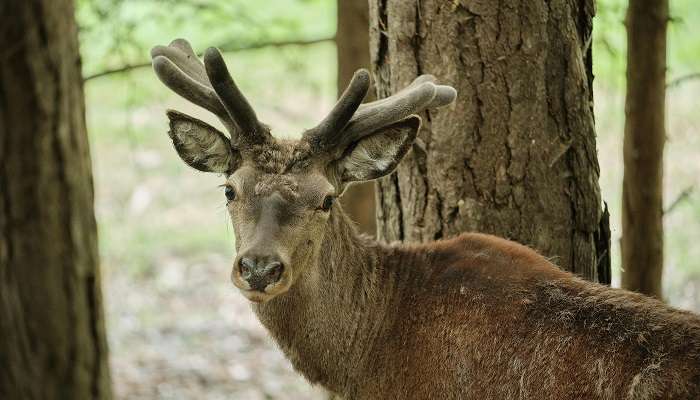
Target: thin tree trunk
(515, 155)
(352, 40)
(51, 323)
(352, 44)
(645, 134)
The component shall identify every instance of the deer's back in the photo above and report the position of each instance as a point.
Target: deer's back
(482, 317)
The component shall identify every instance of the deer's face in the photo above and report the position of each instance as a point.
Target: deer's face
(279, 194)
(279, 222)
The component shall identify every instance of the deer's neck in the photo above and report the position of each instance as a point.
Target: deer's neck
(330, 319)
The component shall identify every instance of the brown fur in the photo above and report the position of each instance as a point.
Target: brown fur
(473, 317)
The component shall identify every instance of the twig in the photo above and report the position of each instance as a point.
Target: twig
(226, 48)
(683, 78)
(680, 198)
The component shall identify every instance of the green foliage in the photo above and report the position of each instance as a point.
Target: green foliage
(682, 268)
(610, 41)
(118, 32)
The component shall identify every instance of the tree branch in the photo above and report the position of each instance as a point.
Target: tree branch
(681, 79)
(225, 48)
(685, 194)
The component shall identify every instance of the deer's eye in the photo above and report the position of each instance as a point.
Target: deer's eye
(230, 193)
(327, 203)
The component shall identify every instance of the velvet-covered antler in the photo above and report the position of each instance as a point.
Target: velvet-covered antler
(208, 85)
(349, 121)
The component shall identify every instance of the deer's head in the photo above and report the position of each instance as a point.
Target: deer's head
(280, 193)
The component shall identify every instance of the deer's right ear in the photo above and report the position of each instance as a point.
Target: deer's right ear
(201, 146)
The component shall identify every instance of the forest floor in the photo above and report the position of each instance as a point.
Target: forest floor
(185, 333)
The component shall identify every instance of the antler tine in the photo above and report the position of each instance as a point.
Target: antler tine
(178, 68)
(420, 95)
(330, 129)
(187, 87)
(393, 109)
(350, 120)
(180, 52)
(444, 95)
(412, 85)
(231, 97)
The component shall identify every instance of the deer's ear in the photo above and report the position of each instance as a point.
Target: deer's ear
(199, 145)
(377, 154)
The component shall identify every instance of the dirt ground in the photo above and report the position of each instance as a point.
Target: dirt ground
(169, 339)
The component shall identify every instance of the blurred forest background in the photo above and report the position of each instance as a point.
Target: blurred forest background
(176, 326)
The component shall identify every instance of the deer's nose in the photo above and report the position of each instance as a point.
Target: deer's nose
(260, 272)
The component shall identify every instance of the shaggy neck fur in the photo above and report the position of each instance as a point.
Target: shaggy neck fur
(336, 310)
(475, 316)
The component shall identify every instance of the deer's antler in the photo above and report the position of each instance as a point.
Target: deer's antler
(330, 128)
(208, 85)
(350, 121)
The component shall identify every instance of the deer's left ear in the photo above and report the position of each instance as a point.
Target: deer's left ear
(377, 154)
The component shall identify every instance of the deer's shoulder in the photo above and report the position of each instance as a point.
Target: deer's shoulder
(477, 257)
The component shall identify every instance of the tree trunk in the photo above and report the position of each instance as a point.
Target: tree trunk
(352, 42)
(515, 155)
(642, 185)
(51, 322)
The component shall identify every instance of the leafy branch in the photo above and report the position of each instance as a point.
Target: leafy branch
(680, 80)
(225, 48)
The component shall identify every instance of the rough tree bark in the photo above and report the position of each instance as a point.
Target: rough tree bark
(515, 155)
(645, 134)
(352, 42)
(51, 322)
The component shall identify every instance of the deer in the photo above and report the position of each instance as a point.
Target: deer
(469, 317)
